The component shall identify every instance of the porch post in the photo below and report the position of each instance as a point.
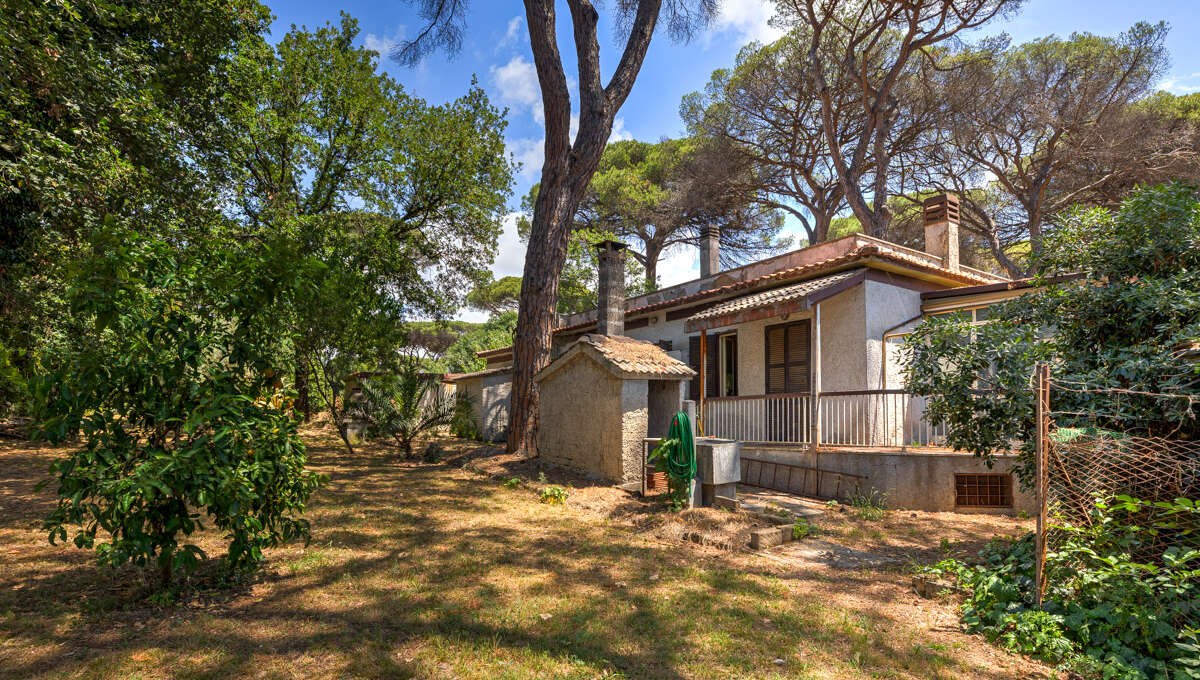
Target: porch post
(816, 380)
(703, 361)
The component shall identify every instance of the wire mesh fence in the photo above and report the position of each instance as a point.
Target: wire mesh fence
(1093, 468)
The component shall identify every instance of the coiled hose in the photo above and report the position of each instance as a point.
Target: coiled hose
(681, 458)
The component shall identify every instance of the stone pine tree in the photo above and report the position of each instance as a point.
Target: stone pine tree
(568, 165)
(879, 47)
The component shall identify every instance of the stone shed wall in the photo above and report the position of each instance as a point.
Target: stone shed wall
(582, 420)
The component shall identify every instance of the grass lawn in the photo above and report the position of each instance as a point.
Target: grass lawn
(432, 571)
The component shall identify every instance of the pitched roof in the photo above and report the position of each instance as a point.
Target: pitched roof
(862, 254)
(624, 356)
(858, 251)
(774, 301)
(455, 377)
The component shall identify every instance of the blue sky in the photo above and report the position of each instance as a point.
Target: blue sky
(496, 51)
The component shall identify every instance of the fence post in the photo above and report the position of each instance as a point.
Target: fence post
(1042, 394)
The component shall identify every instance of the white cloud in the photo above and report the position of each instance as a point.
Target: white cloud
(384, 45)
(510, 255)
(678, 264)
(1181, 84)
(518, 85)
(749, 19)
(618, 134)
(513, 32)
(529, 153)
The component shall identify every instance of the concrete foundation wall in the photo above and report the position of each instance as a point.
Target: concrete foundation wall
(914, 481)
(582, 420)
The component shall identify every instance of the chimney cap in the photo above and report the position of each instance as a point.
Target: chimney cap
(609, 244)
(940, 208)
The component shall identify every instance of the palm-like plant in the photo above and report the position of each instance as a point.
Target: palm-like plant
(404, 405)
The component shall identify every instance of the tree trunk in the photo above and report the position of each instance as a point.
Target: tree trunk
(539, 295)
(303, 402)
(566, 171)
(821, 223)
(653, 253)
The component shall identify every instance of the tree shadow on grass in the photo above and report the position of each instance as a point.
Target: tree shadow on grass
(424, 556)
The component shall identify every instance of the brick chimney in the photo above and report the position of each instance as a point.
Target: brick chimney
(710, 253)
(610, 316)
(941, 229)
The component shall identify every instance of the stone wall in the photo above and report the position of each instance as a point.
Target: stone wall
(635, 416)
(582, 420)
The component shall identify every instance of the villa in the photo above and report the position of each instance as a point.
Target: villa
(795, 356)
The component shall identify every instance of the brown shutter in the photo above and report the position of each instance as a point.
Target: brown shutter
(694, 364)
(797, 371)
(788, 357)
(712, 364)
(776, 359)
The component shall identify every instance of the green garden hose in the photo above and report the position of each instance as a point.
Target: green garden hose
(681, 459)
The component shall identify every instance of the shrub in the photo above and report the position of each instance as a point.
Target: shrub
(404, 406)
(182, 419)
(462, 422)
(801, 529)
(1104, 614)
(553, 494)
(512, 482)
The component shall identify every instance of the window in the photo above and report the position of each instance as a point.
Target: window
(983, 491)
(788, 357)
(729, 358)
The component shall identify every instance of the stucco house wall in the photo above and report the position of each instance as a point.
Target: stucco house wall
(586, 424)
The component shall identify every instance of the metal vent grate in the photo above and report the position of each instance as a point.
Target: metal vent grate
(983, 491)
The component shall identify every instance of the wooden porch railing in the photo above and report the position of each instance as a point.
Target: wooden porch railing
(887, 418)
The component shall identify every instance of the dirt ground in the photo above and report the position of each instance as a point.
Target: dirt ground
(437, 570)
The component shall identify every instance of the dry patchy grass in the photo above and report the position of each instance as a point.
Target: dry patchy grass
(432, 571)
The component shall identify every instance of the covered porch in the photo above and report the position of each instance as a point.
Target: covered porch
(803, 365)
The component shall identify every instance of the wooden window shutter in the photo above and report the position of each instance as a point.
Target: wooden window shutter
(776, 360)
(787, 347)
(694, 364)
(712, 364)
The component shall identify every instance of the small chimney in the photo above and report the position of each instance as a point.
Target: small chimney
(941, 229)
(710, 253)
(610, 316)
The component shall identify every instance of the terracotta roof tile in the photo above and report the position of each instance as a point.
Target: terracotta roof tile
(625, 356)
(774, 296)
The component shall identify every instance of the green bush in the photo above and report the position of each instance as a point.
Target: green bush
(182, 419)
(1104, 614)
(553, 494)
(462, 422)
(404, 406)
(801, 529)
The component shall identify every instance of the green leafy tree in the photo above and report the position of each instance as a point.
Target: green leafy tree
(1046, 125)
(1119, 328)
(496, 332)
(497, 296)
(102, 107)
(399, 196)
(175, 398)
(661, 195)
